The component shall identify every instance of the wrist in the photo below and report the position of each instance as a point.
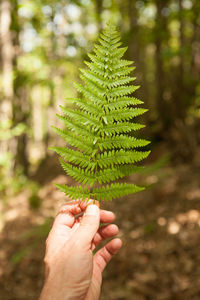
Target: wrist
(57, 288)
(50, 291)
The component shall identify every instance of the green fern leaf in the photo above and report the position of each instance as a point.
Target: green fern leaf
(114, 191)
(80, 142)
(99, 150)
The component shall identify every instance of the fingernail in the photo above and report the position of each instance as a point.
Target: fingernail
(92, 210)
(91, 202)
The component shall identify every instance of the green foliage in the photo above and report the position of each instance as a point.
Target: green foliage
(7, 131)
(9, 184)
(100, 151)
(13, 182)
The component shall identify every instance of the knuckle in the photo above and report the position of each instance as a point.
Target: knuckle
(46, 260)
(47, 242)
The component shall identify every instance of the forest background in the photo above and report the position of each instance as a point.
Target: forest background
(42, 46)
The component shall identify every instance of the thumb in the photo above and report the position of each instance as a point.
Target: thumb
(89, 225)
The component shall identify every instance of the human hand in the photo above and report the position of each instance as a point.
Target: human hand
(72, 272)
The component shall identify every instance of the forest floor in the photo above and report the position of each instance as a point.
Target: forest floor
(160, 229)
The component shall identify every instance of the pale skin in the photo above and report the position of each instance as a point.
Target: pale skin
(72, 271)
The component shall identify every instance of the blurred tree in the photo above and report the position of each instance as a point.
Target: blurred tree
(7, 56)
(160, 32)
(99, 8)
(20, 97)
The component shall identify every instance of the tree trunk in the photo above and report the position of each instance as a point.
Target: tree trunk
(133, 33)
(7, 88)
(160, 31)
(179, 93)
(195, 65)
(20, 104)
(7, 54)
(99, 7)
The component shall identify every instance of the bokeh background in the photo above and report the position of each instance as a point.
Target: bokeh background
(42, 45)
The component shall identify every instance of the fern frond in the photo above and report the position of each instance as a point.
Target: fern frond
(120, 127)
(97, 61)
(121, 103)
(121, 141)
(96, 70)
(91, 109)
(80, 142)
(126, 114)
(88, 75)
(96, 88)
(120, 82)
(100, 80)
(89, 93)
(98, 122)
(75, 193)
(123, 63)
(79, 174)
(124, 90)
(76, 157)
(114, 173)
(79, 129)
(114, 191)
(82, 117)
(113, 157)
